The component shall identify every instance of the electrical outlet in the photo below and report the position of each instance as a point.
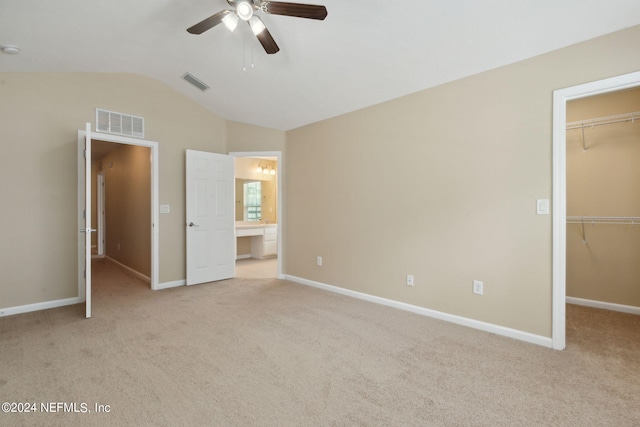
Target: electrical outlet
(409, 279)
(319, 261)
(478, 287)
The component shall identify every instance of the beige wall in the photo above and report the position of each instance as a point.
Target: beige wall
(244, 137)
(243, 246)
(40, 114)
(604, 180)
(442, 184)
(127, 171)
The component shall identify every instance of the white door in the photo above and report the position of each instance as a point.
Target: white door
(84, 204)
(210, 217)
(101, 219)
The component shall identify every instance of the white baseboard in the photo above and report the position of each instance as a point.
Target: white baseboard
(604, 305)
(131, 270)
(471, 323)
(243, 256)
(174, 284)
(9, 311)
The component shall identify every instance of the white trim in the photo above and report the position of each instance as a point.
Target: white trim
(281, 196)
(130, 270)
(458, 320)
(174, 284)
(604, 305)
(9, 311)
(560, 98)
(243, 256)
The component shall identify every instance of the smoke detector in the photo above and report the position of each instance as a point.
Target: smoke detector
(10, 50)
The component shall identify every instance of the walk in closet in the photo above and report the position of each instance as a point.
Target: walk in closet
(603, 200)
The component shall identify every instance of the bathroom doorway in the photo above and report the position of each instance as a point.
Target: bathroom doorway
(259, 214)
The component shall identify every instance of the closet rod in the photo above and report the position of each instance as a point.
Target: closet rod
(598, 121)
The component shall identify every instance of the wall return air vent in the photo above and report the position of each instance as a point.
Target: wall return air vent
(119, 123)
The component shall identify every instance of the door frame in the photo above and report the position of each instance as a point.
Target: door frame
(155, 208)
(279, 203)
(559, 251)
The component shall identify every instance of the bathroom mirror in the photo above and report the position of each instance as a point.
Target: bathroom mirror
(255, 201)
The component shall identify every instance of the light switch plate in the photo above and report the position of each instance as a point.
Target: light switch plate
(165, 209)
(542, 206)
(478, 287)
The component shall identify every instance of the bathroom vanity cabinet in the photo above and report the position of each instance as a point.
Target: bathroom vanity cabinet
(264, 239)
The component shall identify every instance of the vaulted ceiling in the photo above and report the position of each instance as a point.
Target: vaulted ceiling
(363, 53)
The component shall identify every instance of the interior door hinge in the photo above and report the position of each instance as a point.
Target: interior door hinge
(84, 274)
(84, 214)
(84, 154)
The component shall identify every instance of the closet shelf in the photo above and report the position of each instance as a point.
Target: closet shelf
(629, 220)
(598, 121)
(619, 118)
(582, 220)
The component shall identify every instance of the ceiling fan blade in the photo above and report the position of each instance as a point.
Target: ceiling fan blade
(208, 23)
(298, 10)
(268, 43)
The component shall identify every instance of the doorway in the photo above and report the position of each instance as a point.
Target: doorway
(270, 215)
(603, 181)
(121, 205)
(560, 99)
(85, 193)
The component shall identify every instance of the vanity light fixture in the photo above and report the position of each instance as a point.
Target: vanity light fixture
(265, 170)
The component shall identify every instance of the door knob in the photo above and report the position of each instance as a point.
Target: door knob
(191, 224)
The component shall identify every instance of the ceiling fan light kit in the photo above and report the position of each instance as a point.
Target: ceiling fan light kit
(244, 10)
(231, 21)
(257, 26)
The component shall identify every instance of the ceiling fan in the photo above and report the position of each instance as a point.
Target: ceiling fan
(244, 10)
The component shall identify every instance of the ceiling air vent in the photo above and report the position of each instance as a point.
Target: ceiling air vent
(196, 81)
(119, 124)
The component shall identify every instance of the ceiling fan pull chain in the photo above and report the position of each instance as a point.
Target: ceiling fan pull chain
(244, 53)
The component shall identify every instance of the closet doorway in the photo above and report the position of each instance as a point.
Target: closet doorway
(603, 207)
(561, 98)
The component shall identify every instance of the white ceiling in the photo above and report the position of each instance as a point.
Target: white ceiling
(364, 53)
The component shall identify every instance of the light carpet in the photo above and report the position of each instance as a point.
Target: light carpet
(251, 352)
